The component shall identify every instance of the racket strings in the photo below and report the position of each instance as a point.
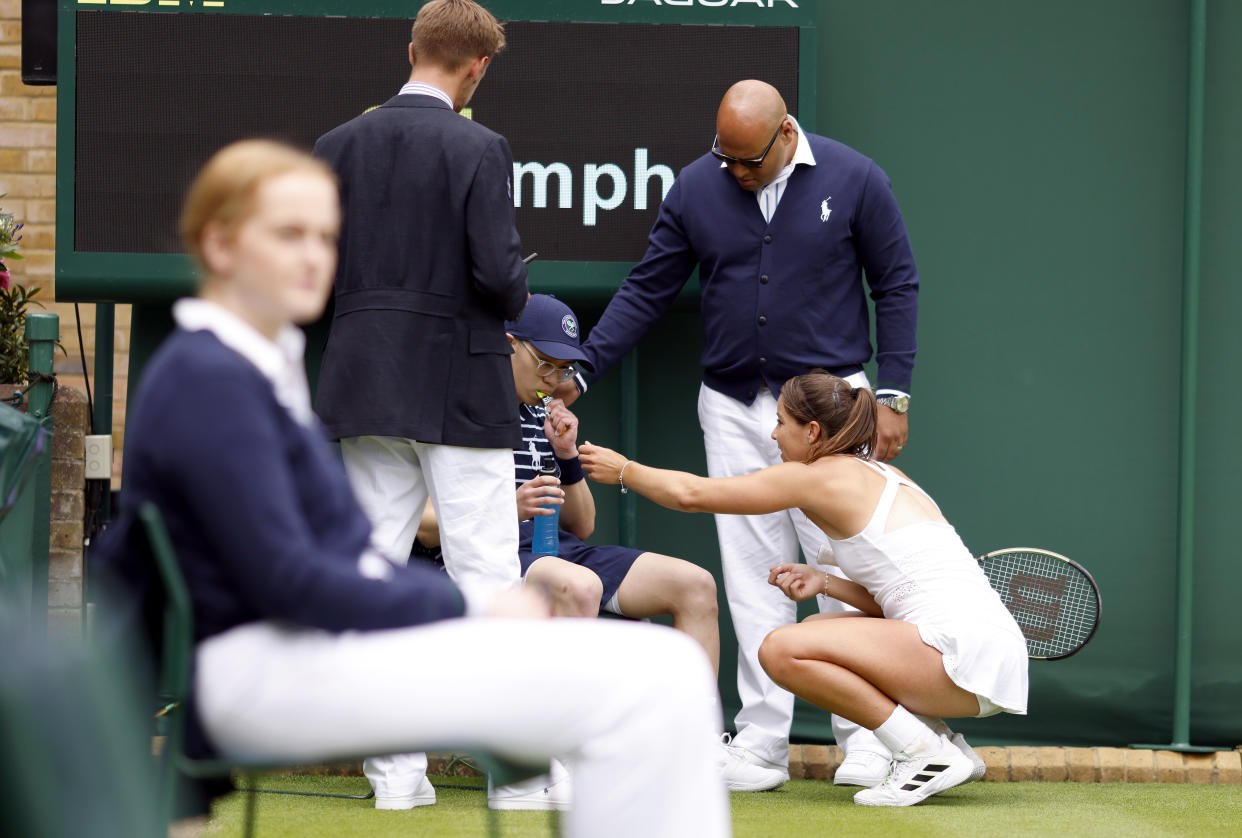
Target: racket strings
(1054, 604)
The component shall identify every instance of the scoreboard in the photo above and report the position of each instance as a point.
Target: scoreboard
(602, 101)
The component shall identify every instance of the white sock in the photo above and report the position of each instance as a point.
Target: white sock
(904, 733)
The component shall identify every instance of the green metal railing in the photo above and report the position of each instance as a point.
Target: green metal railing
(25, 536)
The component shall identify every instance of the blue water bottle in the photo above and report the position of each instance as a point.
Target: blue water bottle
(547, 540)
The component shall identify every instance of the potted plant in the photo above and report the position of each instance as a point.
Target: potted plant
(15, 299)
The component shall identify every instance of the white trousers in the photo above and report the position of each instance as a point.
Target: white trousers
(632, 706)
(738, 440)
(470, 488)
(476, 507)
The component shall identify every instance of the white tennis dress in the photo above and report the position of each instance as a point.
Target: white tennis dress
(922, 573)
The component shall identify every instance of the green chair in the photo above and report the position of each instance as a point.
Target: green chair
(174, 684)
(24, 441)
(74, 757)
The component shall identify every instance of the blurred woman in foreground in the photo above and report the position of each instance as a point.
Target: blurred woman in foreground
(309, 645)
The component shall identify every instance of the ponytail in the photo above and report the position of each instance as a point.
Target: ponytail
(846, 415)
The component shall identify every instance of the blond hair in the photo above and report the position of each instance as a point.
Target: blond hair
(450, 33)
(224, 190)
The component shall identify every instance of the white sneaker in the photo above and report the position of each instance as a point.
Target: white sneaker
(744, 771)
(980, 767)
(915, 778)
(543, 793)
(862, 768)
(424, 795)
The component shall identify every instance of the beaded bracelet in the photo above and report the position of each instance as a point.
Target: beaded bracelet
(621, 477)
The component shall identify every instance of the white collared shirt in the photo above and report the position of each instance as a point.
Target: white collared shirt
(279, 361)
(419, 88)
(770, 196)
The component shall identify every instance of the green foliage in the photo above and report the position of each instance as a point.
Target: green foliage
(10, 235)
(14, 301)
(14, 351)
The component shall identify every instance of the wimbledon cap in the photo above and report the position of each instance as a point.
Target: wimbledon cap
(550, 326)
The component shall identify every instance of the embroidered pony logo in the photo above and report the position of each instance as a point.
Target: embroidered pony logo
(824, 209)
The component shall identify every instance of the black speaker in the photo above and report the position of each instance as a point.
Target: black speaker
(39, 41)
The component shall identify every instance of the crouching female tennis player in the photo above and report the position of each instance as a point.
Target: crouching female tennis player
(944, 646)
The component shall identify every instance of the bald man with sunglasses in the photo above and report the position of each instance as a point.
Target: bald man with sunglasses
(782, 225)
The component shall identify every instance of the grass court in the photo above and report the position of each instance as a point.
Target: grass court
(801, 808)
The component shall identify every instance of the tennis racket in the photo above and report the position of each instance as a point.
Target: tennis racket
(1053, 599)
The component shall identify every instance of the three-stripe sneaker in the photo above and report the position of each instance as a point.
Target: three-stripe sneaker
(980, 767)
(914, 778)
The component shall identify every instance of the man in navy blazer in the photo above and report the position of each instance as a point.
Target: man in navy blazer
(416, 381)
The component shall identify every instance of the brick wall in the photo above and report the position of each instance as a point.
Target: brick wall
(64, 583)
(67, 512)
(28, 184)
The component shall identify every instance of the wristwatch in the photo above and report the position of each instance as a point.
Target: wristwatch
(897, 404)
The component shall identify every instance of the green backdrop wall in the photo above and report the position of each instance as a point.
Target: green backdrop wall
(1038, 152)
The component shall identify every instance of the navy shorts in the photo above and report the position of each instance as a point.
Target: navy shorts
(609, 562)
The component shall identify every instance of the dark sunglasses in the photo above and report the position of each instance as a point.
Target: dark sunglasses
(751, 164)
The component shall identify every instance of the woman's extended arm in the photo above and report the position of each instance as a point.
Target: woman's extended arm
(777, 487)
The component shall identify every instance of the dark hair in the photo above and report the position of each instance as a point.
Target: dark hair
(451, 33)
(846, 415)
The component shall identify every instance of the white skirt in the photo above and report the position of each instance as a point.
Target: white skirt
(986, 659)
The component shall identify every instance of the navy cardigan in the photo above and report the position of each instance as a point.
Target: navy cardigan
(779, 297)
(257, 505)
